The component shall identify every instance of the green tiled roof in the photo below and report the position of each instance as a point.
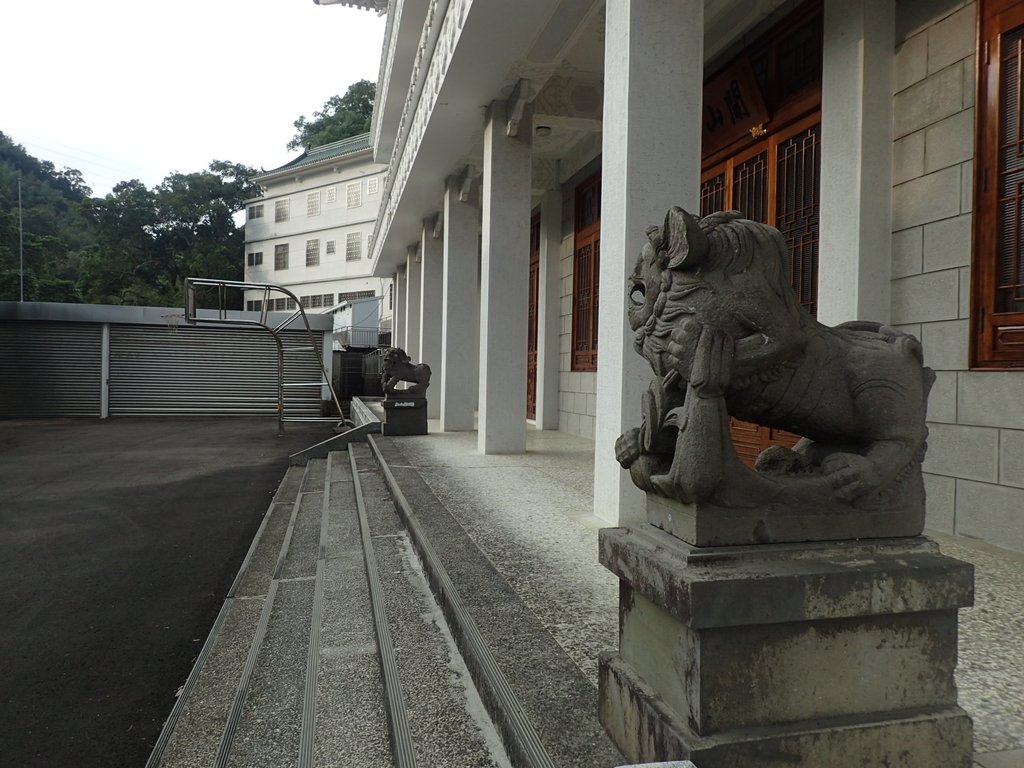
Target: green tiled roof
(323, 153)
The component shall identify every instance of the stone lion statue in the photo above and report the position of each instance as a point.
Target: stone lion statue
(398, 367)
(713, 313)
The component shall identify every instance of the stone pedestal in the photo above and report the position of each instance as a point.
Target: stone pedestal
(826, 654)
(404, 415)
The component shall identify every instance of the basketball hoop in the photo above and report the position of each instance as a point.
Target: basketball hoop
(174, 321)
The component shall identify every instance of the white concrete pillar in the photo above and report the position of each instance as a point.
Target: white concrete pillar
(653, 83)
(504, 284)
(398, 319)
(460, 319)
(412, 303)
(431, 269)
(549, 320)
(855, 248)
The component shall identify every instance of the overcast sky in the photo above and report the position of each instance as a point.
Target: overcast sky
(122, 89)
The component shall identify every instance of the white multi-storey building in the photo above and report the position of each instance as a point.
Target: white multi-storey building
(311, 230)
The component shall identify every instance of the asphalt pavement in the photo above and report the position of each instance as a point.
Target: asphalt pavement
(118, 542)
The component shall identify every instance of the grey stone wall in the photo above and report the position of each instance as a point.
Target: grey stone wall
(975, 464)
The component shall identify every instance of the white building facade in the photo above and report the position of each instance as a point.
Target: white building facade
(527, 153)
(311, 230)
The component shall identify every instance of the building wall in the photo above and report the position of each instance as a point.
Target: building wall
(975, 463)
(577, 390)
(336, 222)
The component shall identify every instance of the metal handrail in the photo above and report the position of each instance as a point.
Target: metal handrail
(192, 318)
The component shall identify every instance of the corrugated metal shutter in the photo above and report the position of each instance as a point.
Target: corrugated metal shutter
(50, 370)
(202, 370)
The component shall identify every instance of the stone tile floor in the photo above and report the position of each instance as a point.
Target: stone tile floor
(532, 515)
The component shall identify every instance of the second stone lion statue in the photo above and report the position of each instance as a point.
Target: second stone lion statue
(714, 315)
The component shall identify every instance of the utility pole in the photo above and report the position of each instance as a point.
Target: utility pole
(21, 242)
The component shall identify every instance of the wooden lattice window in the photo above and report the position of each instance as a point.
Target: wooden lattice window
(532, 317)
(586, 269)
(997, 276)
(777, 182)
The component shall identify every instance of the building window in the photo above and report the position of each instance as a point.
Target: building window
(280, 305)
(391, 296)
(312, 253)
(313, 203)
(281, 210)
(332, 194)
(997, 266)
(328, 299)
(315, 301)
(586, 265)
(372, 186)
(256, 211)
(255, 259)
(354, 195)
(254, 306)
(331, 247)
(353, 246)
(281, 256)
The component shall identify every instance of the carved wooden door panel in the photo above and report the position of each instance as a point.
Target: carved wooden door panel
(531, 336)
(775, 181)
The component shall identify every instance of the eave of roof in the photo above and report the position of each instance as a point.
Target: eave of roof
(336, 150)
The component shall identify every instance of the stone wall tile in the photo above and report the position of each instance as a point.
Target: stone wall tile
(955, 450)
(914, 329)
(949, 142)
(967, 187)
(952, 39)
(588, 383)
(911, 64)
(945, 345)
(940, 494)
(927, 198)
(934, 98)
(908, 252)
(991, 398)
(970, 86)
(591, 405)
(1011, 457)
(929, 297)
(991, 512)
(965, 292)
(908, 157)
(942, 398)
(947, 243)
(587, 427)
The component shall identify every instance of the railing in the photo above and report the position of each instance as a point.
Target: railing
(222, 286)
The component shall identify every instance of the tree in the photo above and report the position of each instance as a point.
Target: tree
(340, 118)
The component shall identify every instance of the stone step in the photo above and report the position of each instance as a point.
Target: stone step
(447, 722)
(193, 732)
(543, 704)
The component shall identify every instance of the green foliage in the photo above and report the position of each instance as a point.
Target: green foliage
(340, 118)
(133, 246)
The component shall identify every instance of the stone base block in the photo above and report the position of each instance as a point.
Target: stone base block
(404, 416)
(823, 654)
(646, 730)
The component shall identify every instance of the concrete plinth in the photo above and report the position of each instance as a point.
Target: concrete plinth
(404, 415)
(829, 654)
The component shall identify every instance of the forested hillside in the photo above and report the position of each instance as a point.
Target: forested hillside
(137, 245)
(134, 246)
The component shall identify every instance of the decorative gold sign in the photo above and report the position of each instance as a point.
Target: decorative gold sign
(733, 107)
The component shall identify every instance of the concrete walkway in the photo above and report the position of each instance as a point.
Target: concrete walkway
(532, 515)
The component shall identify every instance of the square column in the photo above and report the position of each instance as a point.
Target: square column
(856, 162)
(549, 310)
(412, 303)
(460, 317)
(398, 316)
(504, 284)
(654, 65)
(432, 268)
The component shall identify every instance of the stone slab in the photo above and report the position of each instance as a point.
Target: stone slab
(405, 416)
(708, 525)
(646, 730)
(260, 569)
(733, 586)
(304, 547)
